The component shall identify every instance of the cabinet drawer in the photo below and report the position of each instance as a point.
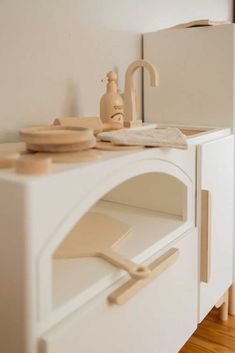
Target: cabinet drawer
(159, 318)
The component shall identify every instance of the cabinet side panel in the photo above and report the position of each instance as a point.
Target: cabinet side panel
(195, 72)
(12, 270)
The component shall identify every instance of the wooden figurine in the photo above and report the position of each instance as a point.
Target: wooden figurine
(111, 104)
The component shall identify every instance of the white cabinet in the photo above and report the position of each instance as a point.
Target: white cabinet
(158, 319)
(66, 303)
(215, 176)
(63, 303)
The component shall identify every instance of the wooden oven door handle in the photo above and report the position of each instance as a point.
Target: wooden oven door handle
(205, 236)
(132, 286)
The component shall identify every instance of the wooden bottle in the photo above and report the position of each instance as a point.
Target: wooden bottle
(111, 103)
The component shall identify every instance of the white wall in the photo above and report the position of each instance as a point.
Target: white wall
(54, 53)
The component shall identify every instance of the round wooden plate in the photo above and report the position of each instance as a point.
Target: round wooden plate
(72, 157)
(30, 165)
(55, 135)
(107, 146)
(63, 148)
(8, 159)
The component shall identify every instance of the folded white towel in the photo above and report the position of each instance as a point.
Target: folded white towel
(169, 137)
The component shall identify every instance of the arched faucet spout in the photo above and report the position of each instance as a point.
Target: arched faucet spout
(130, 110)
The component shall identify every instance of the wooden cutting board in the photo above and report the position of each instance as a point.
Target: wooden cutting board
(108, 146)
(93, 123)
(95, 235)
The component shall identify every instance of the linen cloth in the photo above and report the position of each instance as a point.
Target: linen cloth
(168, 137)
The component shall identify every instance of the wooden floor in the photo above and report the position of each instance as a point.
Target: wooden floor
(212, 336)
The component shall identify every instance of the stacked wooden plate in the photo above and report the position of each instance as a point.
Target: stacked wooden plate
(58, 139)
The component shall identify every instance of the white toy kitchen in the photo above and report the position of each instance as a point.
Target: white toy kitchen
(170, 211)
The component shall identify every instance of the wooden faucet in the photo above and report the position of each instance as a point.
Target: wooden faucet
(130, 118)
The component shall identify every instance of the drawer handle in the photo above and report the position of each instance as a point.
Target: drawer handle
(205, 236)
(131, 287)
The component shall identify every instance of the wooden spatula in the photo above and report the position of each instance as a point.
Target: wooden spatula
(95, 236)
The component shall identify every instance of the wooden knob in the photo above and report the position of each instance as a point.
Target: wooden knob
(33, 165)
(8, 160)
